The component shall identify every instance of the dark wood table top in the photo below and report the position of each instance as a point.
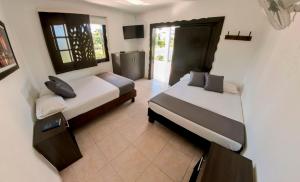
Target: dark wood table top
(223, 165)
(39, 135)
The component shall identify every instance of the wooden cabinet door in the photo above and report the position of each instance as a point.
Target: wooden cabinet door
(116, 63)
(129, 68)
(130, 65)
(141, 64)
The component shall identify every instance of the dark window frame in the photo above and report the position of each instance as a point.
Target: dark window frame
(48, 21)
(216, 22)
(62, 37)
(105, 46)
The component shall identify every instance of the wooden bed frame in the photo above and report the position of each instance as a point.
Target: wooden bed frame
(88, 116)
(195, 139)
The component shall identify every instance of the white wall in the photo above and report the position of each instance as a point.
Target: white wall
(271, 107)
(232, 57)
(23, 16)
(270, 96)
(19, 161)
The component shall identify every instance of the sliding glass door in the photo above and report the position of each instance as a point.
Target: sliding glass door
(162, 52)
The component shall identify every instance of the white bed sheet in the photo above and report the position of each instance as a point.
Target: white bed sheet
(226, 104)
(91, 92)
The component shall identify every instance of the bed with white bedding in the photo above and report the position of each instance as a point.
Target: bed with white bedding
(94, 95)
(91, 92)
(213, 116)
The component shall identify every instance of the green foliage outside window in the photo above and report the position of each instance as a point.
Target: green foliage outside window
(160, 58)
(161, 43)
(98, 44)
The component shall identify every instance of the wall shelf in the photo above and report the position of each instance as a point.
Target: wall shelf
(239, 37)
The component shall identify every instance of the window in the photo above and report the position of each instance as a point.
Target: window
(62, 43)
(74, 41)
(99, 41)
(98, 30)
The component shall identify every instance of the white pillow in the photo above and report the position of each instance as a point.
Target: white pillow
(231, 88)
(48, 105)
(45, 91)
(185, 77)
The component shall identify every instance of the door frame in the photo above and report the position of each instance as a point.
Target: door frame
(216, 22)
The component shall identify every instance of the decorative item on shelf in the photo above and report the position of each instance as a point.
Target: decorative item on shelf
(8, 62)
(239, 37)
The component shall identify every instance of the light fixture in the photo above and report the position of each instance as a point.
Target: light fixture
(137, 2)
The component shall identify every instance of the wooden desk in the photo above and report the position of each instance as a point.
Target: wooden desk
(223, 165)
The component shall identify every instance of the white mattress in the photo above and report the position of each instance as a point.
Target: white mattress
(226, 104)
(91, 92)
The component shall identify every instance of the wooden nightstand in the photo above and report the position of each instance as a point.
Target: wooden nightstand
(223, 165)
(57, 145)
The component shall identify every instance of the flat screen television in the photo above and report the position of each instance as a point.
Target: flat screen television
(133, 32)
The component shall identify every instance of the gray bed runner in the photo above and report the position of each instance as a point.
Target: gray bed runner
(222, 125)
(125, 85)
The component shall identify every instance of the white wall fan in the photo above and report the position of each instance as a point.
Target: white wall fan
(279, 11)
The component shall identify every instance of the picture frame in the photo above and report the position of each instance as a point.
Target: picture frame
(8, 62)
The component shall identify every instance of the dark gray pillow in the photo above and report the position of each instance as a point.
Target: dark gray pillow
(60, 82)
(59, 87)
(197, 79)
(214, 83)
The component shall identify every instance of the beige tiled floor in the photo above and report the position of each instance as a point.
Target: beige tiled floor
(123, 146)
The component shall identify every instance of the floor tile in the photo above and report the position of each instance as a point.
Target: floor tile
(173, 162)
(108, 174)
(68, 175)
(100, 129)
(113, 144)
(161, 130)
(123, 146)
(87, 168)
(117, 122)
(150, 145)
(182, 144)
(84, 140)
(154, 174)
(134, 129)
(130, 164)
(190, 169)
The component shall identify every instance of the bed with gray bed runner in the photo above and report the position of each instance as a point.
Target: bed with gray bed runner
(125, 85)
(178, 106)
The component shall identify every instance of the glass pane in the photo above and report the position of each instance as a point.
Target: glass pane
(65, 56)
(62, 43)
(59, 30)
(100, 54)
(95, 27)
(98, 40)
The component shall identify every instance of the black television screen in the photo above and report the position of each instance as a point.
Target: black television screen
(133, 32)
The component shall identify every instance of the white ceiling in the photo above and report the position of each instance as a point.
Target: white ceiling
(134, 6)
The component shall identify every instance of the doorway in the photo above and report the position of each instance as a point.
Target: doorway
(173, 41)
(162, 52)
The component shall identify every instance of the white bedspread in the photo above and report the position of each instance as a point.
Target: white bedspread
(91, 92)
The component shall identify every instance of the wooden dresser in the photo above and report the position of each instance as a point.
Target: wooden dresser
(222, 165)
(129, 64)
